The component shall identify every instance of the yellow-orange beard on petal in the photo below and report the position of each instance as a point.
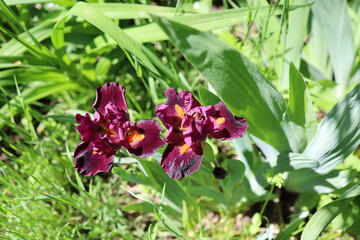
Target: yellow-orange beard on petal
(184, 148)
(134, 137)
(179, 111)
(220, 121)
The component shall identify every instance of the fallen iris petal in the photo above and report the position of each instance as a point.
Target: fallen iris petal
(225, 125)
(181, 161)
(110, 93)
(143, 138)
(89, 162)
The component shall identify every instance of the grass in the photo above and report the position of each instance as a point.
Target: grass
(54, 56)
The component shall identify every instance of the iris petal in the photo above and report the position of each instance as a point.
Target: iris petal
(90, 162)
(175, 107)
(181, 161)
(87, 128)
(225, 125)
(144, 138)
(110, 93)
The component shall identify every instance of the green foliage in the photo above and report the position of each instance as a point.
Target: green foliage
(290, 68)
(327, 213)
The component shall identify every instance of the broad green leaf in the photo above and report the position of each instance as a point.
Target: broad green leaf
(319, 183)
(300, 107)
(207, 192)
(174, 190)
(333, 17)
(207, 97)
(300, 111)
(235, 79)
(245, 152)
(236, 171)
(291, 161)
(138, 179)
(323, 217)
(338, 134)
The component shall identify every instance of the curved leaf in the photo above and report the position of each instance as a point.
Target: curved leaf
(338, 134)
(323, 217)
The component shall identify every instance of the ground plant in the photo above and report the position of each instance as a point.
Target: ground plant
(154, 119)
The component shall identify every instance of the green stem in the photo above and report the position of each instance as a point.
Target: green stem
(267, 200)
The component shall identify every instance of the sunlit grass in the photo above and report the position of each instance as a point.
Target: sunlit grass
(51, 64)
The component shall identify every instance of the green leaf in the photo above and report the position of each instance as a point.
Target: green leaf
(291, 161)
(300, 111)
(288, 231)
(159, 213)
(174, 190)
(207, 192)
(207, 97)
(146, 207)
(245, 152)
(333, 17)
(235, 170)
(139, 179)
(323, 217)
(338, 134)
(300, 107)
(319, 183)
(235, 79)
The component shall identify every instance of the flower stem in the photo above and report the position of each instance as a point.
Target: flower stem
(267, 200)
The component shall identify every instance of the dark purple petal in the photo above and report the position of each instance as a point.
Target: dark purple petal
(175, 107)
(187, 101)
(196, 124)
(113, 138)
(90, 161)
(143, 138)
(174, 136)
(181, 161)
(88, 128)
(184, 99)
(225, 125)
(168, 115)
(110, 93)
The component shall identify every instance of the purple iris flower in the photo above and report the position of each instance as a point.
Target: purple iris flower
(188, 125)
(111, 130)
